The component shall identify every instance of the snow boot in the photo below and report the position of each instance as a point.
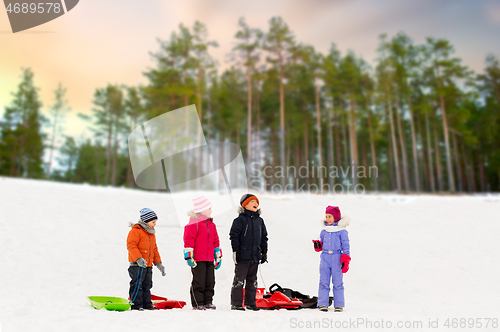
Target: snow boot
(338, 309)
(252, 308)
(323, 308)
(237, 307)
(200, 307)
(151, 308)
(210, 306)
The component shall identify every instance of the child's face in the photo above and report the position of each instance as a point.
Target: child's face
(329, 219)
(152, 223)
(253, 205)
(206, 213)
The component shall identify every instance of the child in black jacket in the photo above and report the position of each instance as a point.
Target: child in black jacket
(248, 237)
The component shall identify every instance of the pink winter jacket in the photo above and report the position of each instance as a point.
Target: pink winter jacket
(201, 235)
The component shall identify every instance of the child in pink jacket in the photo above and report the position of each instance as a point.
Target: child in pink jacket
(202, 253)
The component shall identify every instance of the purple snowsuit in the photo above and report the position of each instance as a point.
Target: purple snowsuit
(335, 243)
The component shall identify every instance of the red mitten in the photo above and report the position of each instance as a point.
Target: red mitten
(318, 246)
(345, 259)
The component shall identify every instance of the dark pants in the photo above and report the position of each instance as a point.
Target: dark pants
(202, 286)
(140, 287)
(244, 272)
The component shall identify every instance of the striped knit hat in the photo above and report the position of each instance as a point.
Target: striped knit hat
(245, 199)
(201, 204)
(147, 215)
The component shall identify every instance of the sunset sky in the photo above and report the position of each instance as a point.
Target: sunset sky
(101, 42)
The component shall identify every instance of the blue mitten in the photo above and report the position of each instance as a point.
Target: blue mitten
(188, 256)
(218, 257)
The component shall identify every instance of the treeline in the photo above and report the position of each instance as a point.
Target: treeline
(426, 121)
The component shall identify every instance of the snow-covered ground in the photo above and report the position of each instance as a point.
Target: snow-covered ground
(414, 259)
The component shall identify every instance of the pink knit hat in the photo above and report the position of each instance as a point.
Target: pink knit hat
(201, 204)
(334, 211)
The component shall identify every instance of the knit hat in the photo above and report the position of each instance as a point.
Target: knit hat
(148, 215)
(245, 199)
(334, 211)
(201, 204)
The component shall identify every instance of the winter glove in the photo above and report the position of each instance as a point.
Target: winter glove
(318, 246)
(236, 255)
(264, 257)
(142, 262)
(345, 259)
(161, 268)
(188, 256)
(218, 258)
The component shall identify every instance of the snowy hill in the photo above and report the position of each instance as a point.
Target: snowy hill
(414, 258)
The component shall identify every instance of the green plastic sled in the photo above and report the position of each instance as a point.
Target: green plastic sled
(109, 303)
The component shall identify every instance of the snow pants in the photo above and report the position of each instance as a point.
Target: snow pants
(140, 289)
(244, 273)
(202, 286)
(330, 268)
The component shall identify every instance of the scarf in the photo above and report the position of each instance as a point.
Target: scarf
(146, 227)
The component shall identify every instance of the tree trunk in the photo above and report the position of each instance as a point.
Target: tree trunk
(393, 139)
(22, 146)
(330, 153)
(108, 152)
(337, 138)
(457, 162)
(13, 158)
(429, 155)
(318, 124)
(372, 145)
(402, 143)
(249, 112)
(353, 140)
(282, 116)
(392, 181)
(274, 147)
(482, 175)
(467, 169)
(306, 145)
(115, 152)
(52, 145)
(414, 147)
(421, 152)
(344, 135)
(451, 182)
(438, 160)
(97, 164)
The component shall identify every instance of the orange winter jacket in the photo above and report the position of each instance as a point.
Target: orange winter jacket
(142, 244)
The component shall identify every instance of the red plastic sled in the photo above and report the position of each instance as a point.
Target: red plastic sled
(274, 300)
(164, 303)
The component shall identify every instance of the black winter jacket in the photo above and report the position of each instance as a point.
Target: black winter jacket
(248, 233)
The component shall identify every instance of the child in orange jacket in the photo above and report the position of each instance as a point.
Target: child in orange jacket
(142, 254)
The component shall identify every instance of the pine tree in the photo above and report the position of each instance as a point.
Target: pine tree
(279, 41)
(57, 111)
(21, 141)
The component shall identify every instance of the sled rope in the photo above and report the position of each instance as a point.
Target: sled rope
(136, 290)
(260, 272)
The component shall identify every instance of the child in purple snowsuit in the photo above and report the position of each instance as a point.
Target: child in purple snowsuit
(335, 258)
